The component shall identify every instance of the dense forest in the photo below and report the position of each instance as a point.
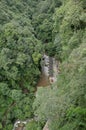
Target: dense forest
(28, 29)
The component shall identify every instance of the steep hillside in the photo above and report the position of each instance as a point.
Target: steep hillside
(29, 28)
(20, 52)
(64, 104)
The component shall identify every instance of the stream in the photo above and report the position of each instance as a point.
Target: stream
(43, 81)
(48, 76)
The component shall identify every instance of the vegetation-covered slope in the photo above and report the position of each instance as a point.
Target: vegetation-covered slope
(65, 105)
(19, 61)
(27, 29)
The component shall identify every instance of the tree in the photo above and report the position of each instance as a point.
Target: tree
(64, 103)
(18, 71)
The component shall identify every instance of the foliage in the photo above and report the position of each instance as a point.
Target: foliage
(61, 25)
(33, 125)
(69, 25)
(19, 69)
(64, 104)
(50, 49)
(42, 19)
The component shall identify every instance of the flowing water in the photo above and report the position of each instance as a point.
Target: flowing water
(43, 81)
